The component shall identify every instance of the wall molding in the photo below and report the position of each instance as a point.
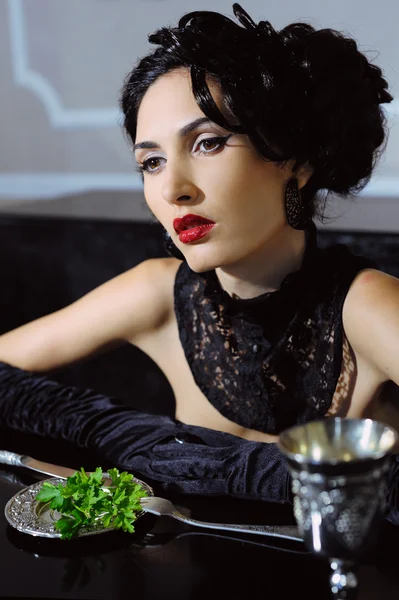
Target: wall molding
(59, 116)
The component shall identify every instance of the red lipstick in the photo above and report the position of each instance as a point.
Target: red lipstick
(192, 227)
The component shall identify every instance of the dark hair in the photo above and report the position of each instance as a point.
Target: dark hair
(298, 93)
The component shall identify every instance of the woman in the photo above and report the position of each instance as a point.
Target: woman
(237, 130)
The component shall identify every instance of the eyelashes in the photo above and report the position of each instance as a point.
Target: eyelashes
(148, 166)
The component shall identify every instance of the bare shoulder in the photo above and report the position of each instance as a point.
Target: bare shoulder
(150, 288)
(370, 292)
(371, 320)
(157, 278)
(132, 303)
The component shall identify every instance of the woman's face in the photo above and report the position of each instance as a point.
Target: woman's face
(194, 167)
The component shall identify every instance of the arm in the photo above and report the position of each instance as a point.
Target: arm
(202, 461)
(117, 311)
(371, 323)
(177, 457)
(171, 455)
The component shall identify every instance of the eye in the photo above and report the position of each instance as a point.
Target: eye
(206, 146)
(151, 165)
(210, 145)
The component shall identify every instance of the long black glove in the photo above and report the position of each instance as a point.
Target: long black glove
(182, 458)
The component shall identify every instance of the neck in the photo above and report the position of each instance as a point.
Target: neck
(265, 269)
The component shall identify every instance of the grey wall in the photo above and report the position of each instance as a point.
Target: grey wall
(62, 64)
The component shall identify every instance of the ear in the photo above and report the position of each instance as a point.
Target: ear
(303, 174)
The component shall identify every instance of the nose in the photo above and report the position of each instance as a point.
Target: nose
(178, 186)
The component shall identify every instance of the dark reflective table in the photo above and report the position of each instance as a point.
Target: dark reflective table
(166, 559)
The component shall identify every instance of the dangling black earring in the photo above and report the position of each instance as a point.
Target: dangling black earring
(298, 216)
(170, 247)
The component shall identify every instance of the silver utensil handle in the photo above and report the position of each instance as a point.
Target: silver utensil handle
(11, 458)
(281, 531)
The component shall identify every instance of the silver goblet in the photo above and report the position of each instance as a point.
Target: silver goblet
(338, 469)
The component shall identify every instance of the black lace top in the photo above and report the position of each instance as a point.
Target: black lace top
(272, 361)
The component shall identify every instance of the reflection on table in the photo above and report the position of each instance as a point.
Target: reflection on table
(165, 559)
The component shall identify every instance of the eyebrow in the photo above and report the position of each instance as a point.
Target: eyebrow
(182, 133)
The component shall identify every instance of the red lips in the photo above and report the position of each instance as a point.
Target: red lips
(189, 222)
(192, 227)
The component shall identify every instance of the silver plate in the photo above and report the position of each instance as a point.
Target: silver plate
(28, 515)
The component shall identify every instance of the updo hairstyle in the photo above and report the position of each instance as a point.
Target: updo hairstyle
(298, 93)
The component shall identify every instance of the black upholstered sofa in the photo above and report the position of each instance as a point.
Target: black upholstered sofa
(47, 263)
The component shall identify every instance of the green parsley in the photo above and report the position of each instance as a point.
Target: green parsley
(91, 501)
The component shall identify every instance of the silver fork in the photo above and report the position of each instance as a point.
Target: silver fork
(163, 507)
